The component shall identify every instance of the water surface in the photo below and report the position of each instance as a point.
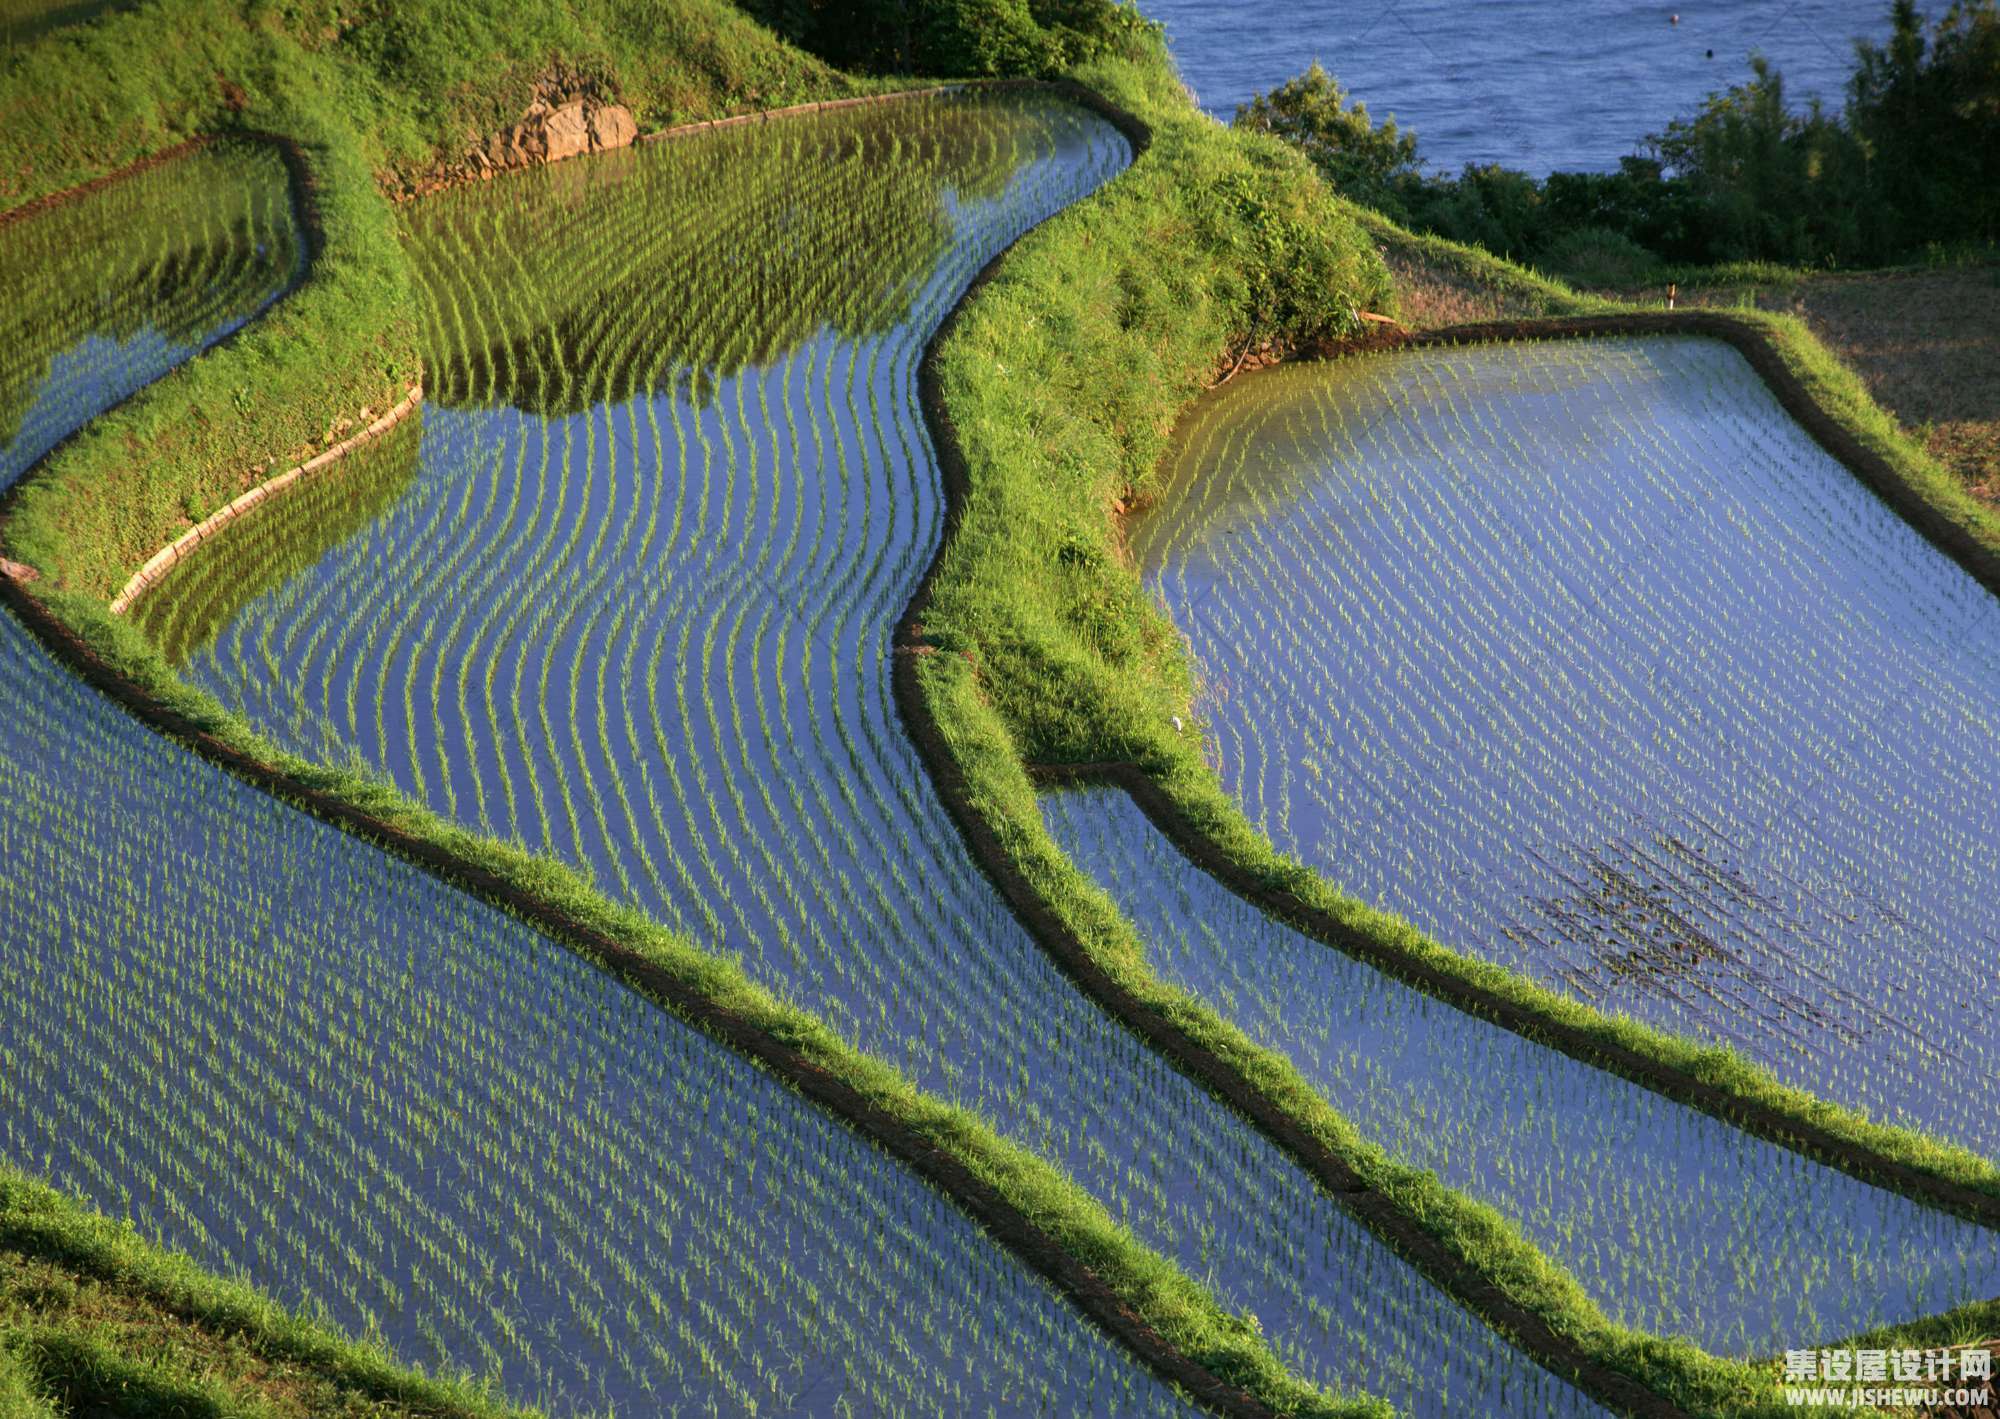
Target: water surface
(636, 607)
(1539, 85)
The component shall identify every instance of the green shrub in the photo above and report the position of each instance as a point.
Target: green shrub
(1363, 162)
(1597, 257)
(954, 38)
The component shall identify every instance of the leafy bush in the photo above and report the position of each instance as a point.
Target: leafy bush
(954, 38)
(1363, 162)
(1599, 257)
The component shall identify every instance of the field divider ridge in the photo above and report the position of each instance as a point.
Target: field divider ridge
(1771, 1124)
(175, 552)
(687, 996)
(1874, 1153)
(968, 745)
(1751, 338)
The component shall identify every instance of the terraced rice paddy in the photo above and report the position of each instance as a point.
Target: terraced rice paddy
(1584, 658)
(104, 294)
(1673, 1222)
(303, 1061)
(634, 609)
(298, 1059)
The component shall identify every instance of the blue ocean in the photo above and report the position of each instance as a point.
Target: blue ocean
(1540, 85)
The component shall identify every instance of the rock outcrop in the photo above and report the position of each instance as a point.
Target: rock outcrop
(548, 135)
(551, 134)
(555, 126)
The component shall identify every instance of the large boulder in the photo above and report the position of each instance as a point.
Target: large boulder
(547, 133)
(611, 126)
(565, 132)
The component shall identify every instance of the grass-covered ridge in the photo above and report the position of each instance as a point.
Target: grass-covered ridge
(95, 1319)
(1269, 257)
(1078, 666)
(361, 99)
(1068, 373)
(413, 83)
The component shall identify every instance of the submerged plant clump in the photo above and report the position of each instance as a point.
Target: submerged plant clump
(1586, 659)
(635, 607)
(1673, 1221)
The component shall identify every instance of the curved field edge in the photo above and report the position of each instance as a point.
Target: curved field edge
(1139, 1298)
(74, 113)
(272, 396)
(1224, 303)
(1176, 787)
(77, 1290)
(1033, 641)
(1143, 1301)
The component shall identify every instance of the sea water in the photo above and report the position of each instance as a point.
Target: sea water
(1540, 85)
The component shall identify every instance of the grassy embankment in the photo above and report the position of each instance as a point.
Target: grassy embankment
(130, 481)
(1053, 653)
(93, 1320)
(390, 94)
(1925, 340)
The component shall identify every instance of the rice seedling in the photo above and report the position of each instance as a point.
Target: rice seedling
(303, 1061)
(102, 295)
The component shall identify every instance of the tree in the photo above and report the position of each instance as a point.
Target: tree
(1926, 113)
(1311, 112)
(1770, 183)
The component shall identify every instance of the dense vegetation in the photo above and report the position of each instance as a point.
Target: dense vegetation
(954, 37)
(1910, 165)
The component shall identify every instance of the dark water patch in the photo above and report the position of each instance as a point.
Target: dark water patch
(1673, 1221)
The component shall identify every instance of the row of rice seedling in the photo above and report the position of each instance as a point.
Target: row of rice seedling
(1672, 1220)
(102, 295)
(283, 537)
(635, 611)
(1585, 659)
(106, 1322)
